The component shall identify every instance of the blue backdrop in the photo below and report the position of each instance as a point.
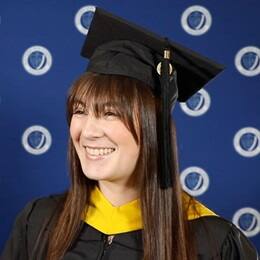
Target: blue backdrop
(218, 129)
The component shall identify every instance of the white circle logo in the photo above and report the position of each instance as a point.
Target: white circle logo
(36, 140)
(248, 221)
(247, 61)
(198, 104)
(83, 18)
(196, 20)
(37, 60)
(247, 142)
(194, 180)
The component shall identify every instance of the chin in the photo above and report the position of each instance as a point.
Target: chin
(96, 176)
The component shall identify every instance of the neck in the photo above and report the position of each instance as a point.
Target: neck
(118, 195)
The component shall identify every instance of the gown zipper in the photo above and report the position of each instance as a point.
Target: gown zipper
(107, 242)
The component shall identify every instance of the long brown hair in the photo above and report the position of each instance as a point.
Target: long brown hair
(165, 227)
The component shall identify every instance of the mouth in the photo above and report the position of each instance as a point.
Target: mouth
(98, 152)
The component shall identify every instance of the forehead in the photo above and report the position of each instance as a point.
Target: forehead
(96, 94)
(92, 104)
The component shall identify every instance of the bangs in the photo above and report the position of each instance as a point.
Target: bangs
(99, 93)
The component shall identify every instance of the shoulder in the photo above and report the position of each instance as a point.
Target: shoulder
(35, 216)
(213, 224)
(45, 206)
(39, 209)
(217, 236)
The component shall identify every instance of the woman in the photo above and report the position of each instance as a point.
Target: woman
(119, 205)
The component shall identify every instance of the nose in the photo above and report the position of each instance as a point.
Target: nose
(92, 127)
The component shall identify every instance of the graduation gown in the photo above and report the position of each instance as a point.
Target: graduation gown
(230, 243)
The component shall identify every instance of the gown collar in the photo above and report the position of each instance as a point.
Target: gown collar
(109, 219)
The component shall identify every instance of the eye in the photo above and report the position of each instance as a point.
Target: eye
(110, 114)
(78, 111)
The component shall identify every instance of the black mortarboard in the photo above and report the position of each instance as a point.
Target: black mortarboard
(116, 46)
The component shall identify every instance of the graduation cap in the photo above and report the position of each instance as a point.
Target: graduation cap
(116, 46)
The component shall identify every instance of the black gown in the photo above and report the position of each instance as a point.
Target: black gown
(229, 242)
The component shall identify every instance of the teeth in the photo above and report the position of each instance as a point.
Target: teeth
(99, 151)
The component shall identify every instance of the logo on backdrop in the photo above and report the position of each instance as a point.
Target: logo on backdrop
(247, 220)
(36, 140)
(37, 60)
(247, 61)
(84, 17)
(198, 104)
(194, 180)
(196, 20)
(247, 142)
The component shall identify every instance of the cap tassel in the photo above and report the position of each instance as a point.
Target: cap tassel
(168, 98)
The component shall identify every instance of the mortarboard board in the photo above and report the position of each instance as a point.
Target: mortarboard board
(116, 46)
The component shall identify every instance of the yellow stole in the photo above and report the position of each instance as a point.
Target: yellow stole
(108, 219)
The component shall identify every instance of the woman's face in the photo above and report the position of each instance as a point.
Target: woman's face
(106, 148)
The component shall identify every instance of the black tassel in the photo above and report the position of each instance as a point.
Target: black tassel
(169, 93)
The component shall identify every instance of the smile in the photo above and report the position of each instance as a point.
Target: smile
(96, 151)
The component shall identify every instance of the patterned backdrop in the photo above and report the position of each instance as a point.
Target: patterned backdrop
(218, 128)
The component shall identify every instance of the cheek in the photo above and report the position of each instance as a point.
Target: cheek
(134, 150)
(74, 130)
(125, 140)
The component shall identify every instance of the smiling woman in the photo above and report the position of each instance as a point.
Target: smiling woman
(121, 118)
(125, 200)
